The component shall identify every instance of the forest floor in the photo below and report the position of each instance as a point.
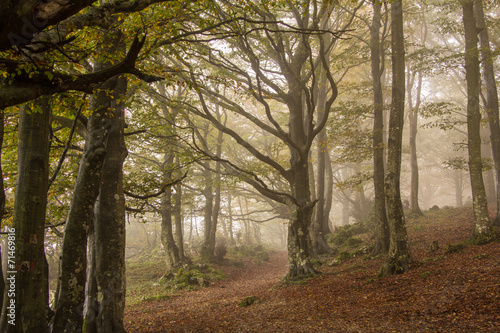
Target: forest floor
(455, 288)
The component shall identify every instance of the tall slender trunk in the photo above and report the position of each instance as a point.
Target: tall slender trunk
(320, 245)
(491, 97)
(381, 224)
(212, 213)
(179, 226)
(207, 250)
(109, 224)
(70, 293)
(482, 225)
(167, 234)
(29, 305)
(328, 196)
(398, 258)
(459, 186)
(230, 218)
(413, 120)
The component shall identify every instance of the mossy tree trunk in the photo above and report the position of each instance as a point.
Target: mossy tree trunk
(377, 58)
(482, 224)
(398, 258)
(492, 107)
(109, 224)
(31, 279)
(167, 234)
(70, 294)
(413, 122)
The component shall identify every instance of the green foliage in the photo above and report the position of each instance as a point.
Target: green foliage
(256, 252)
(343, 236)
(248, 301)
(443, 114)
(191, 276)
(341, 257)
(155, 298)
(425, 274)
(454, 248)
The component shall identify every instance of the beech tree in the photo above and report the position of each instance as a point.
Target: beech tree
(481, 219)
(293, 88)
(377, 66)
(398, 258)
(491, 103)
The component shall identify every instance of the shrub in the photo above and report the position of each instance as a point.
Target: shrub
(220, 250)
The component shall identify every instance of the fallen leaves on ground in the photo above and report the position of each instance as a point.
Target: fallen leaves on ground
(455, 292)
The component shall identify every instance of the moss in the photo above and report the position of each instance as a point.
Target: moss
(316, 263)
(341, 257)
(155, 298)
(248, 301)
(353, 242)
(425, 274)
(191, 276)
(454, 248)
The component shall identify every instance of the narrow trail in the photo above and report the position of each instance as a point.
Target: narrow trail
(210, 309)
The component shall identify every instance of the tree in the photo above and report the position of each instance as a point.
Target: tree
(491, 104)
(481, 220)
(289, 79)
(31, 298)
(398, 258)
(377, 65)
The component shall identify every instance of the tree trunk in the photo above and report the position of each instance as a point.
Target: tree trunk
(398, 258)
(230, 219)
(208, 247)
(179, 237)
(381, 224)
(299, 240)
(482, 225)
(329, 197)
(299, 264)
(109, 225)
(346, 206)
(30, 307)
(320, 245)
(491, 97)
(167, 234)
(459, 186)
(71, 284)
(413, 119)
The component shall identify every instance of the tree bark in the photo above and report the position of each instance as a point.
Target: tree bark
(31, 279)
(398, 258)
(109, 226)
(482, 224)
(381, 224)
(167, 233)
(320, 245)
(491, 97)
(70, 294)
(413, 120)
(179, 237)
(208, 247)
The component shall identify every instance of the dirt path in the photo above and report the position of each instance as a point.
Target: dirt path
(210, 309)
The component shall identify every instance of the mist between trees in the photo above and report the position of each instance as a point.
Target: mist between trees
(182, 129)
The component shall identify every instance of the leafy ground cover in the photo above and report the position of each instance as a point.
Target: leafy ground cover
(453, 286)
